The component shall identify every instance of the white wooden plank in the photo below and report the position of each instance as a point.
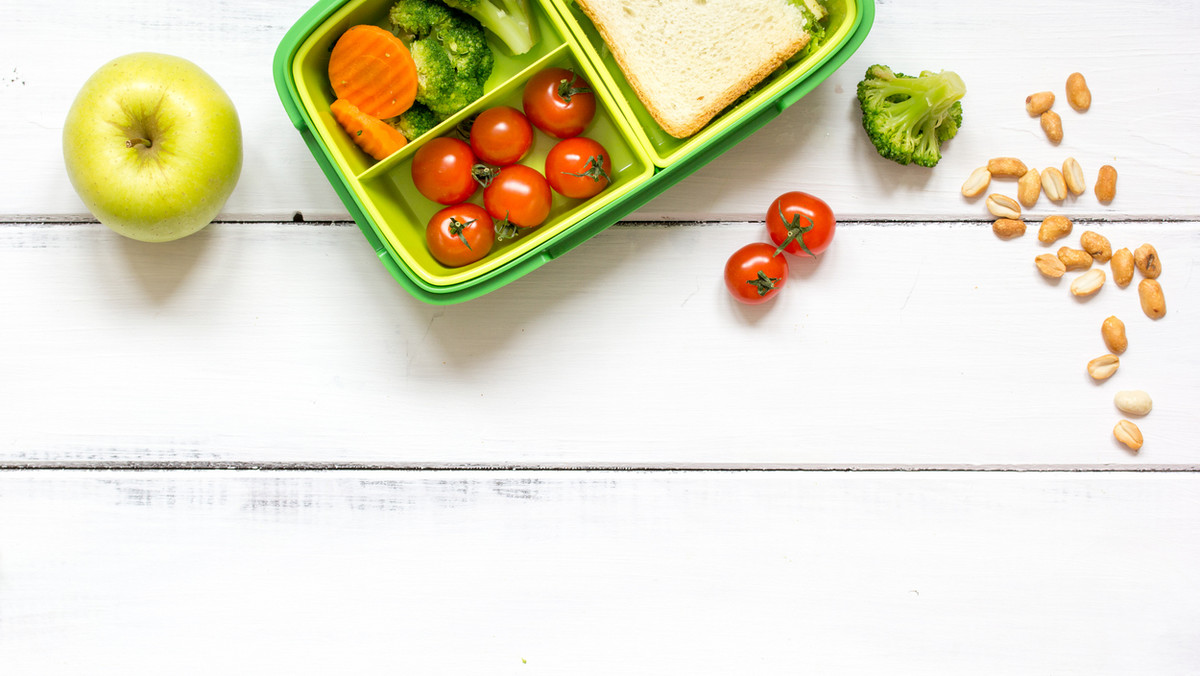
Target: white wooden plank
(591, 573)
(1136, 61)
(918, 344)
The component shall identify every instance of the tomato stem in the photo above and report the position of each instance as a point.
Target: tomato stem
(483, 174)
(594, 170)
(506, 229)
(795, 232)
(456, 229)
(566, 88)
(763, 283)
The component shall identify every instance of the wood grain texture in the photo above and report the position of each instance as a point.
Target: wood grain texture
(914, 344)
(598, 573)
(1135, 61)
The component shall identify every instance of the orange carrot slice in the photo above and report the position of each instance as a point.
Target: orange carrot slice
(372, 69)
(376, 137)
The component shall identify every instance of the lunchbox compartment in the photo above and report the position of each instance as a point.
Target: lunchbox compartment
(384, 190)
(666, 149)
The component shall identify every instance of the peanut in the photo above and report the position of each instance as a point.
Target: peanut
(1009, 167)
(1074, 259)
(1050, 266)
(1036, 104)
(1133, 402)
(1052, 125)
(1106, 183)
(1096, 245)
(1008, 228)
(1078, 94)
(1053, 184)
(1054, 228)
(1103, 367)
(1113, 332)
(1150, 293)
(1128, 434)
(977, 182)
(1003, 206)
(1073, 174)
(1122, 267)
(1088, 283)
(1145, 257)
(1029, 188)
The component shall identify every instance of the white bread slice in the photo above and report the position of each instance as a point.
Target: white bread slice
(688, 60)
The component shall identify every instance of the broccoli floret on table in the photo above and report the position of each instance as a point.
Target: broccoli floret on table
(908, 118)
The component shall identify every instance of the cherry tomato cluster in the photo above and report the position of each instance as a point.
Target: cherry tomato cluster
(516, 197)
(798, 223)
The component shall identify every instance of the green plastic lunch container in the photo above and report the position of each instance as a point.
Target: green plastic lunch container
(392, 214)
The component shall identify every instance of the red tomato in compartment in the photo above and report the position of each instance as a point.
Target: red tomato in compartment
(501, 136)
(805, 222)
(519, 194)
(578, 167)
(442, 170)
(460, 234)
(754, 274)
(559, 102)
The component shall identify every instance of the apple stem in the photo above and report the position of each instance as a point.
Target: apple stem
(137, 141)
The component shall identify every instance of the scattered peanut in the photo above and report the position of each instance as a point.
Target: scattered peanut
(1078, 94)
(1113, 332)
(1106, 183)
(1145, 257)
(1088, 283)
(1133, 402)
(1103, 367)
(1036, 104)
(1029, 188)
(1050, 266)
(1150, 293)
(1128, 434)
(1096, 245)
(1052, 125)
(1054, 228)
(1073, 174)
(1009, 167)
(977, 182)
(1122, 267)
(1008, 228)
(1003, 206)
(1053, 184)
(1074, 259)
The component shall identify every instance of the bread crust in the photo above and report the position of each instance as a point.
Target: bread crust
(713, 104)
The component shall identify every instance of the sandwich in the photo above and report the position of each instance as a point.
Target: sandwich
(688, 60)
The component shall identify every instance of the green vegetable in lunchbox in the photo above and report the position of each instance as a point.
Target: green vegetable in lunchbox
(509, 20)
(451, 54)
(908, 118)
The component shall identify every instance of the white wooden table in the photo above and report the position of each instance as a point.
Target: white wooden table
(250, 451)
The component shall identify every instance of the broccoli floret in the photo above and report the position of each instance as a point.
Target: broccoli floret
(452, 56)
(908, 118)
(415, 121)
(509, 20)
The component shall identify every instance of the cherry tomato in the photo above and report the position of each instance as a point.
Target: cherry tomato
(442, 170)
(578, 167)
(804, 222)
(519, 195)
(460, 234)
(754, 274)
(559, 102)
(501, 136)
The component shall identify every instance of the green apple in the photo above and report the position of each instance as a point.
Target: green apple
(153, 146)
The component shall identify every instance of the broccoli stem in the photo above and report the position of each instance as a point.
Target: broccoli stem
(510, 23)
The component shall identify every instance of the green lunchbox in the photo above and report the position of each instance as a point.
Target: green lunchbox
(392, 214)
